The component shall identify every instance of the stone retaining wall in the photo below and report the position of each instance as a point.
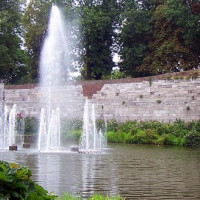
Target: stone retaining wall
(162, 100)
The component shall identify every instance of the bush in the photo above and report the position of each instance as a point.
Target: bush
(129, 127)
(116, 137)
(31, 125)
(15, 184)
(112, 125)
(73, 135)
(192, 138)
(154, 132)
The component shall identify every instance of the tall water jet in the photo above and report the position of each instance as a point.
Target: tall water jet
(52, 76)
(92, 140)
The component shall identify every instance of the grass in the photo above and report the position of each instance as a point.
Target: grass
(94, 197)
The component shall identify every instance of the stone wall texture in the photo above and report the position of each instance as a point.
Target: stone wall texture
(162, 100)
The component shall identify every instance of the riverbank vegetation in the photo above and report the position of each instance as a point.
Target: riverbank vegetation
(134, 132)
(15, 184)
(153, 132)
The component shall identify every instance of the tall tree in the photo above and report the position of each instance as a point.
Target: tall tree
(13, 59)
(135, 35)
(168, 51)
(186, 15)
(35, 21)
(97, 38)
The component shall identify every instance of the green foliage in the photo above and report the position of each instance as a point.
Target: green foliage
(134, 37)
(175, 32)
(112, 125)
(153, 132)
(193, 138)
(15, 183)
(13, 65)
(158, 101)
(97, 32)
(73, 135)
(68, 197)
(117, 74)
(100, 197)
(94, 197)
(116, 137)
(68, 125)
(35, 21)
(31, 125)
(71, 130)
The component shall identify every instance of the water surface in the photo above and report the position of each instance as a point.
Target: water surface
(133, 171)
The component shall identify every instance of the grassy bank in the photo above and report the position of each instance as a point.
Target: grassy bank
(15, 184)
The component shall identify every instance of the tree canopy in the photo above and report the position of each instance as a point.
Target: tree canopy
(13, 59)
(151, 36)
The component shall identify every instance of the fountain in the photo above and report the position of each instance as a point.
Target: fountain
(52, 76)
(92, 140)
(12, 131)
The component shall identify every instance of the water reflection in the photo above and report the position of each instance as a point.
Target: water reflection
(134, 172)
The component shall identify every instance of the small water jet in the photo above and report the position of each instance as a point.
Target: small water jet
(12, 132)
(92, 140)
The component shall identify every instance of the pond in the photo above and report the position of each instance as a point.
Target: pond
(133, 171)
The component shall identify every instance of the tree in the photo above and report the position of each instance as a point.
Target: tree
(135, 35)
(186, 15)
(35, 21)
(13, 64)
(97, 38)
(168, 49)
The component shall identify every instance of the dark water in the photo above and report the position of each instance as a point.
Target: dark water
(133, 171)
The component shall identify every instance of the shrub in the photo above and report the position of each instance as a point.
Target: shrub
(15, 184)
(73, 135)
(129, 127)
(112, 125)
(192, 138)
(116, 137)
(145, 137)
(31, 125)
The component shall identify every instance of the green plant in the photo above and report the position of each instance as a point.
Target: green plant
(116, 137)
(94, 197)
(15, 184)
(73, 135)
(68, 197)
(31, 125)
(188, 108)
(192, 138)
(112, 125)
(140, 96)
(158, 101)
(150, 80)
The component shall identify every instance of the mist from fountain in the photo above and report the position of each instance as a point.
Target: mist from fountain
(92, 140)
(54, 57)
